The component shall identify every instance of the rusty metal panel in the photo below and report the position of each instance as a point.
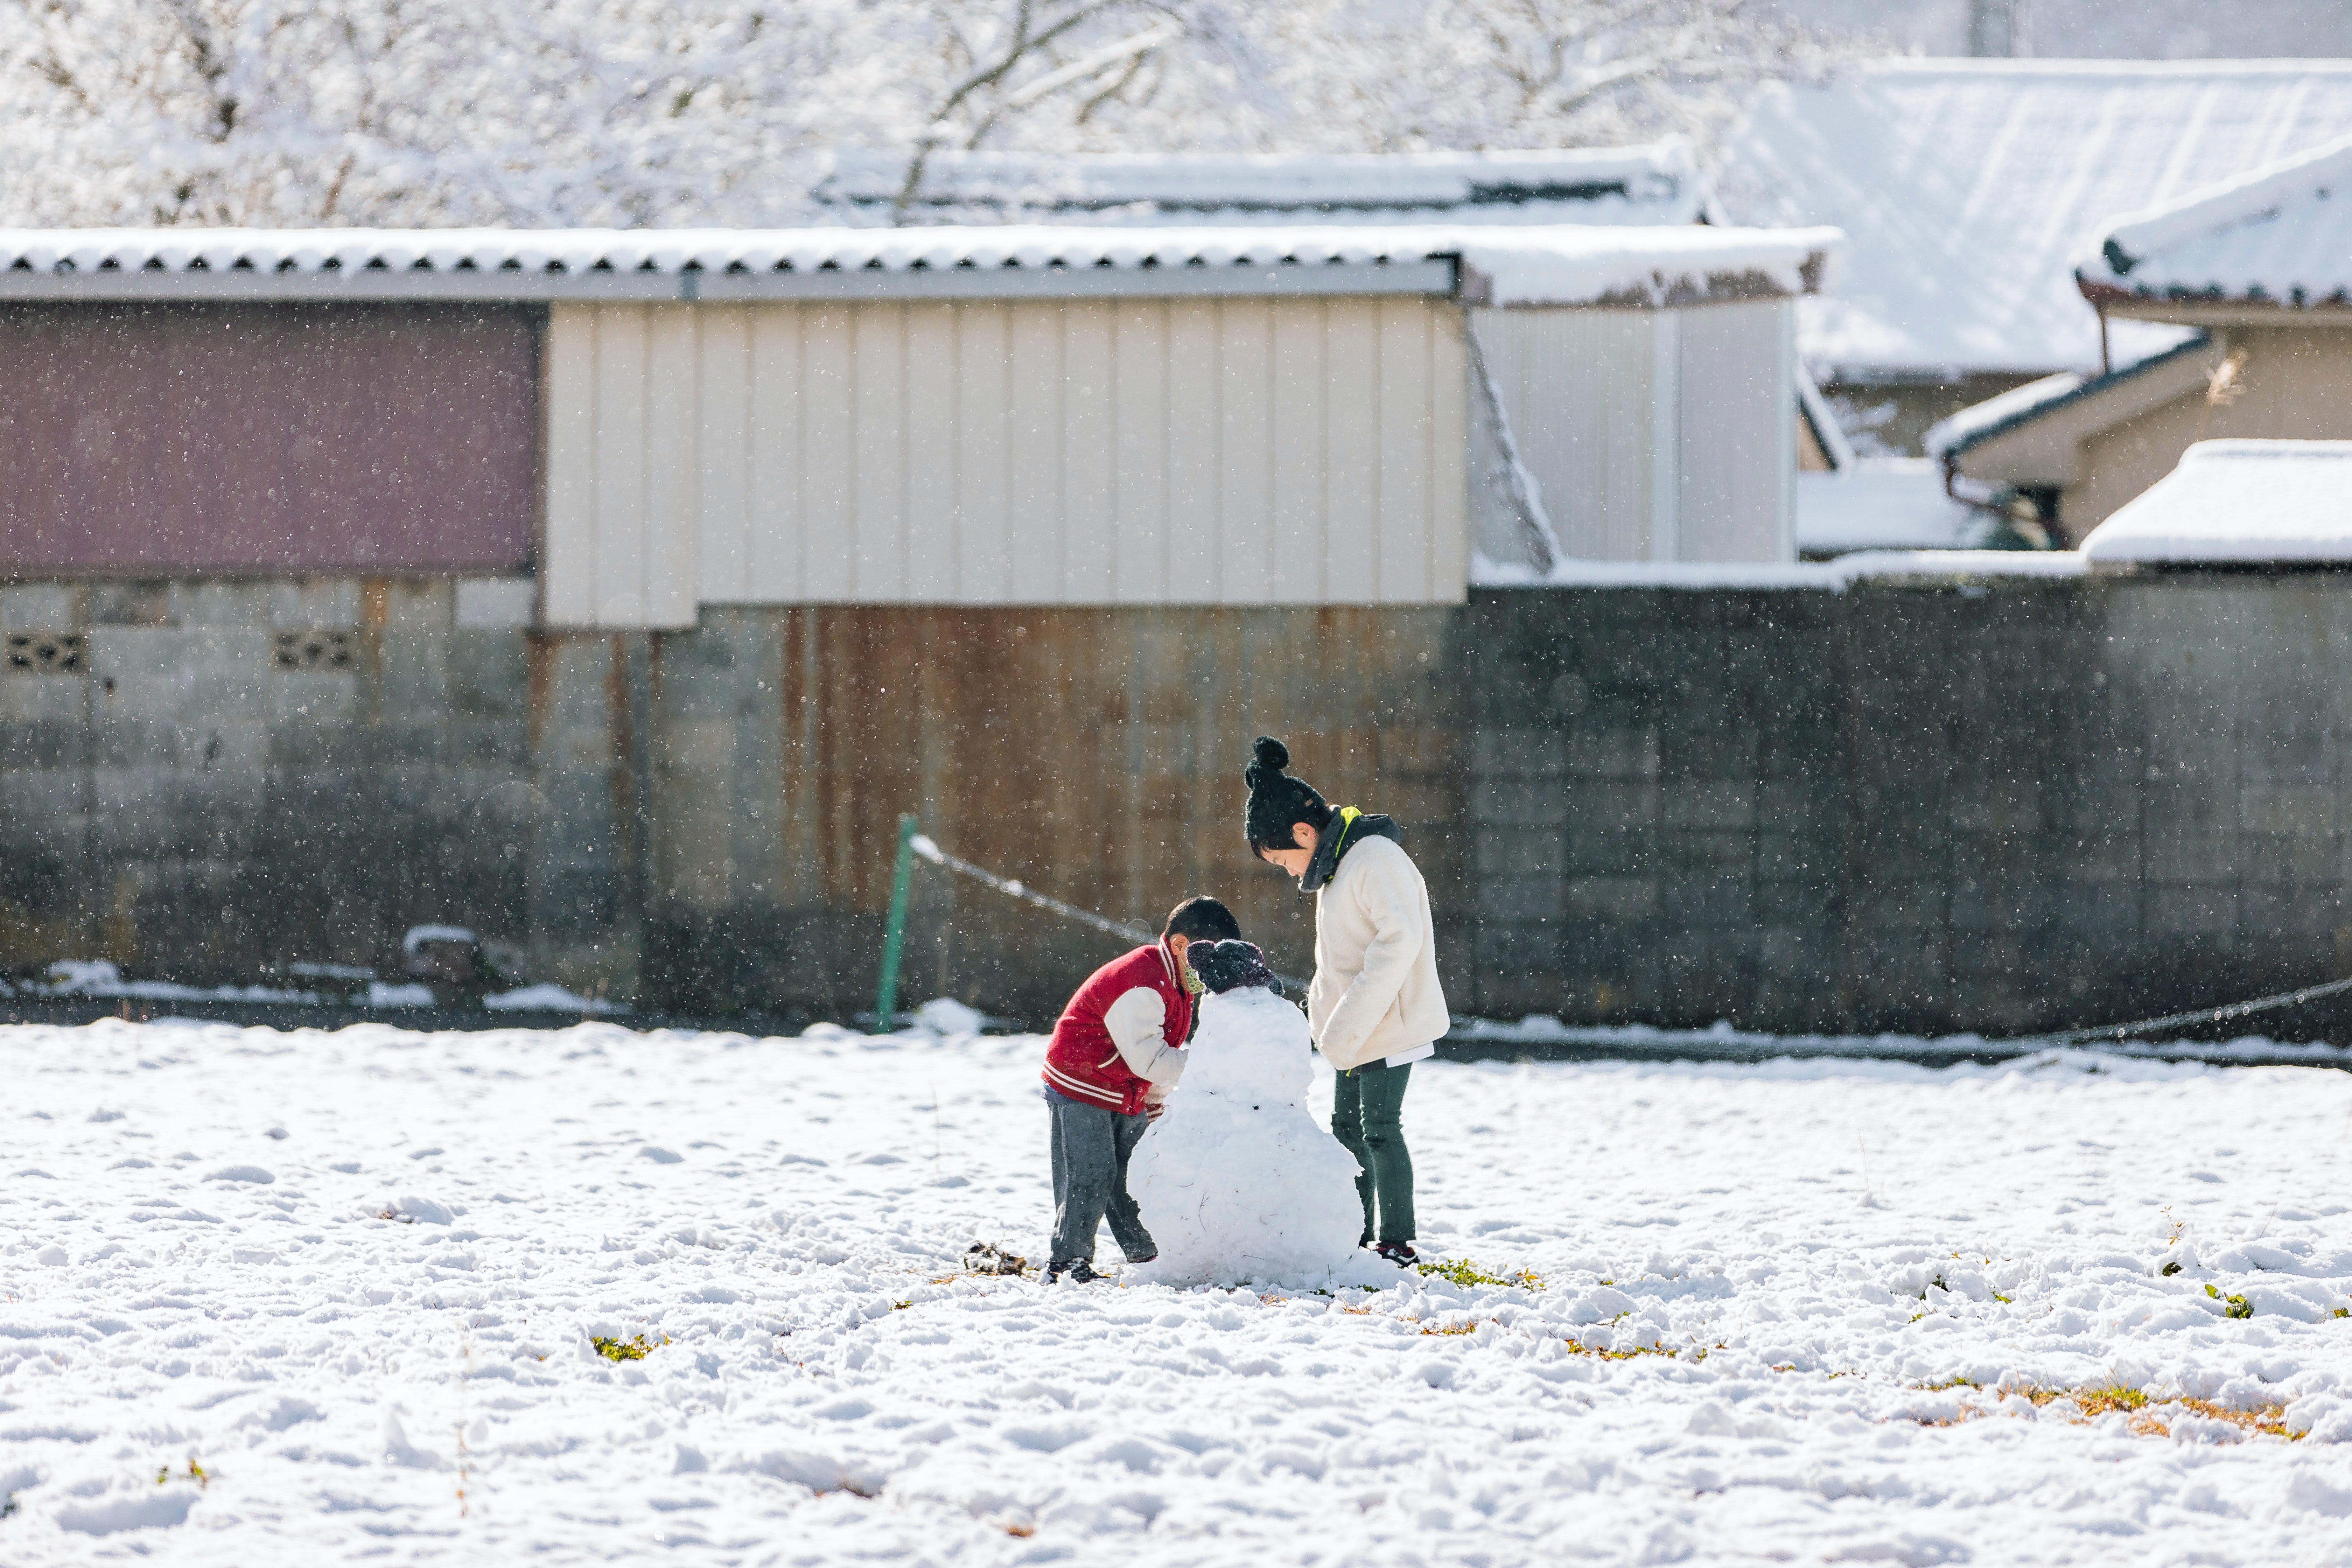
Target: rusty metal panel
(1095, 752)
(246, 438)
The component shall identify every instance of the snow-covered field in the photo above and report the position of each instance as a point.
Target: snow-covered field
(197, 1279)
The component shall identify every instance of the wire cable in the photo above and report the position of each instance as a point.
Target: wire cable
(2203, 1016)
(925, 847)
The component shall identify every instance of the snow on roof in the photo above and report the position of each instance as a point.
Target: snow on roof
(1529, 266)
(1654, 183)
(1979, 422)
(1969, 187)
(1861, 566)
(1882, 504)
(2238, 501)
(2282, 233)
(1641, 266)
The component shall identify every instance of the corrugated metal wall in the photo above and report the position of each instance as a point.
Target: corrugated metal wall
(1160, 451)
(1654, 435)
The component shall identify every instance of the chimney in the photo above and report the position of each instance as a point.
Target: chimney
(1997, 28)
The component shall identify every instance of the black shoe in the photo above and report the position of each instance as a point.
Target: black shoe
(1140, 1262)
(1400, 1253)
(1079, 1273)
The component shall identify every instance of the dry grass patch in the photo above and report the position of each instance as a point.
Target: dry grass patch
(2145, 1416)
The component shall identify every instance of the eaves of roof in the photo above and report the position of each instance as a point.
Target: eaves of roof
(2268, 237)
(1950, 438)
(1653, 265)
(644, 285)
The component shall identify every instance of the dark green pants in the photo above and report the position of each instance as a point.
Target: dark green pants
(1364, 1111)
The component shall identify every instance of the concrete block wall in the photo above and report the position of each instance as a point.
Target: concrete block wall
(237, 772)
(1999, 809)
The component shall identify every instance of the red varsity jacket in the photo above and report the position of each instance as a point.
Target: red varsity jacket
(1082, 1062)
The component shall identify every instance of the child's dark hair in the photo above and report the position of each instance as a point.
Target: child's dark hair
(1276, 800)
(1203, 919)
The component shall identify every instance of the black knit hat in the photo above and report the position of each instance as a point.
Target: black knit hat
(1276, 800)
(1225, 966)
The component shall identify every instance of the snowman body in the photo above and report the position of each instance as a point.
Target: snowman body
(1236, 1182)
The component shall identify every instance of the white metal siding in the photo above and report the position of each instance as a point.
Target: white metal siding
(628, 556)
(1132, 451)
(1735, 403)
(1654, 435)
(1576, 386)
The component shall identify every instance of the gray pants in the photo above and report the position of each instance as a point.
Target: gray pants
(1091, 1144)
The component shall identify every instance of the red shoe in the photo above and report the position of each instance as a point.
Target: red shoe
(1400, 1253)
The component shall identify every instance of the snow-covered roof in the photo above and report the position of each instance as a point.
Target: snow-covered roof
(1654, 183)
(1531, 266)
(1970, 186)
(1882, 504)
(1641, 266)
(2238, 501)
(2281, 234)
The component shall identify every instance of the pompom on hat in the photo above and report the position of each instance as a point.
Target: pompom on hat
(1277, 799)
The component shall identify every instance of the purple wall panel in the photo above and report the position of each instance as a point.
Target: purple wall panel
(268, 438)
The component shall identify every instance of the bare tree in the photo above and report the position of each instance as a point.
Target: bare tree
(1533, 73)
(1032, 40)
(674, 111)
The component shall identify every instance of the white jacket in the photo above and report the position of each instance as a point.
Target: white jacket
(1375, 992)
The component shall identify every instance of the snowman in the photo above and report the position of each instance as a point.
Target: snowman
(1235, 1181)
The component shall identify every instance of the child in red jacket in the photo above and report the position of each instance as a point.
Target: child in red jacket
(1115, 1052)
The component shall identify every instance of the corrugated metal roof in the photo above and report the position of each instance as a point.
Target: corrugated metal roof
(1515, 266)
(2280, 235)
(1653, 183)
(1970, 186)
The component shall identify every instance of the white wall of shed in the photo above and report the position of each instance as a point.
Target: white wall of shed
(1233, 451)
(1736, 425)
(1655, 434)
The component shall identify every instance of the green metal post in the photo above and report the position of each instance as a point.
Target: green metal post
(885, 1001)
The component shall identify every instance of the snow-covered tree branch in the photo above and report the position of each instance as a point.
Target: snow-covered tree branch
(664, 111)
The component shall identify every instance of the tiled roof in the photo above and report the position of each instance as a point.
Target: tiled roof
(2279, 234)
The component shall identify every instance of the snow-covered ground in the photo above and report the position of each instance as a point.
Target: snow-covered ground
(197, 1278)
